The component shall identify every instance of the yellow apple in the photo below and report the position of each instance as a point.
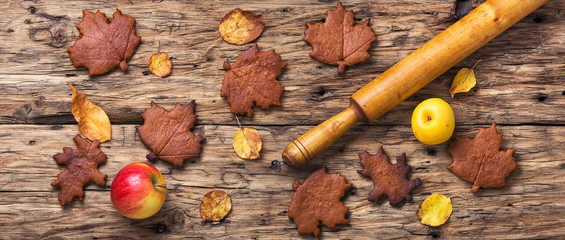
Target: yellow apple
(433, 121)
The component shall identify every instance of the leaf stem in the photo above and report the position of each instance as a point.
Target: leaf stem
(211, 46)
(473, 67)
(470, 71)
(461, 196)
(238, 123)
(235, 190)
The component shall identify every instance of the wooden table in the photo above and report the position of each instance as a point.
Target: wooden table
(520, 87)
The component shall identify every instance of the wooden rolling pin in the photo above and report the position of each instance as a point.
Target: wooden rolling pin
(412, 73)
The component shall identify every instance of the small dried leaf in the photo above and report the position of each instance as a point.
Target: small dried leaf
(82, 168)
(463, 82)
(240, 27)
(480, 161)
(247, 143)
(103, 45)
(435, 210)
(215, 206)
(160, 64)
(93, 122)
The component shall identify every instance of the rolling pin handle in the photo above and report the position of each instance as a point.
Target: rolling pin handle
(313, 142)
(295, 155)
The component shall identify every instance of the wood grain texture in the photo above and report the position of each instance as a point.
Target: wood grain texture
(531, 206)
(36, 67)
(519, 85)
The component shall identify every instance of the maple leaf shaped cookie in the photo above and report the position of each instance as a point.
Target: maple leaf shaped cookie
(252, 78)
(102, 46)
(168, 135)
(338, 41)
(480, 160)
(388, 179)
(318, 199)
(82, 167)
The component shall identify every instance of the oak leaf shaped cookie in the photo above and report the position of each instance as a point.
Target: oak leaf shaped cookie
(82, 167)
(338, 41)
(388, 179)
(102, 45)
(318, 199)
(168, 135)
(480, 161)
(252, 79)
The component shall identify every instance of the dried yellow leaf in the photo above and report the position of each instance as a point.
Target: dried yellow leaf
(160, 64)
(463, 82)
(93, 123)
(247, 143)
(240, 27)
(215, 206)
(435, 210)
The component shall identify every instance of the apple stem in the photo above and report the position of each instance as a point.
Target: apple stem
(161, 185)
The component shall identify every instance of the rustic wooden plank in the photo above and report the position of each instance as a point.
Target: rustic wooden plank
(519, 86)
(522, 67)
(530, 207)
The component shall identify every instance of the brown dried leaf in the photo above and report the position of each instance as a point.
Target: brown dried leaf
(215, 206)
(82, 167)
(338, 41)
(318, 199)
(388, 179)
(93, 122)
(252, 79)
(102, 46)
(160, 64)
(240, 27)
(480, 161)
(247, 143)
(167, 133)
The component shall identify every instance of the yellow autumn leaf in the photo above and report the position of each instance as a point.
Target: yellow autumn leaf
(247, 143)
(240, 27)
(160, 64)
(435, 210)
(215, 206)
(93, 123)
(463, 82)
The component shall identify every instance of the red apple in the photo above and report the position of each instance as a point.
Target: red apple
(138, 190)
